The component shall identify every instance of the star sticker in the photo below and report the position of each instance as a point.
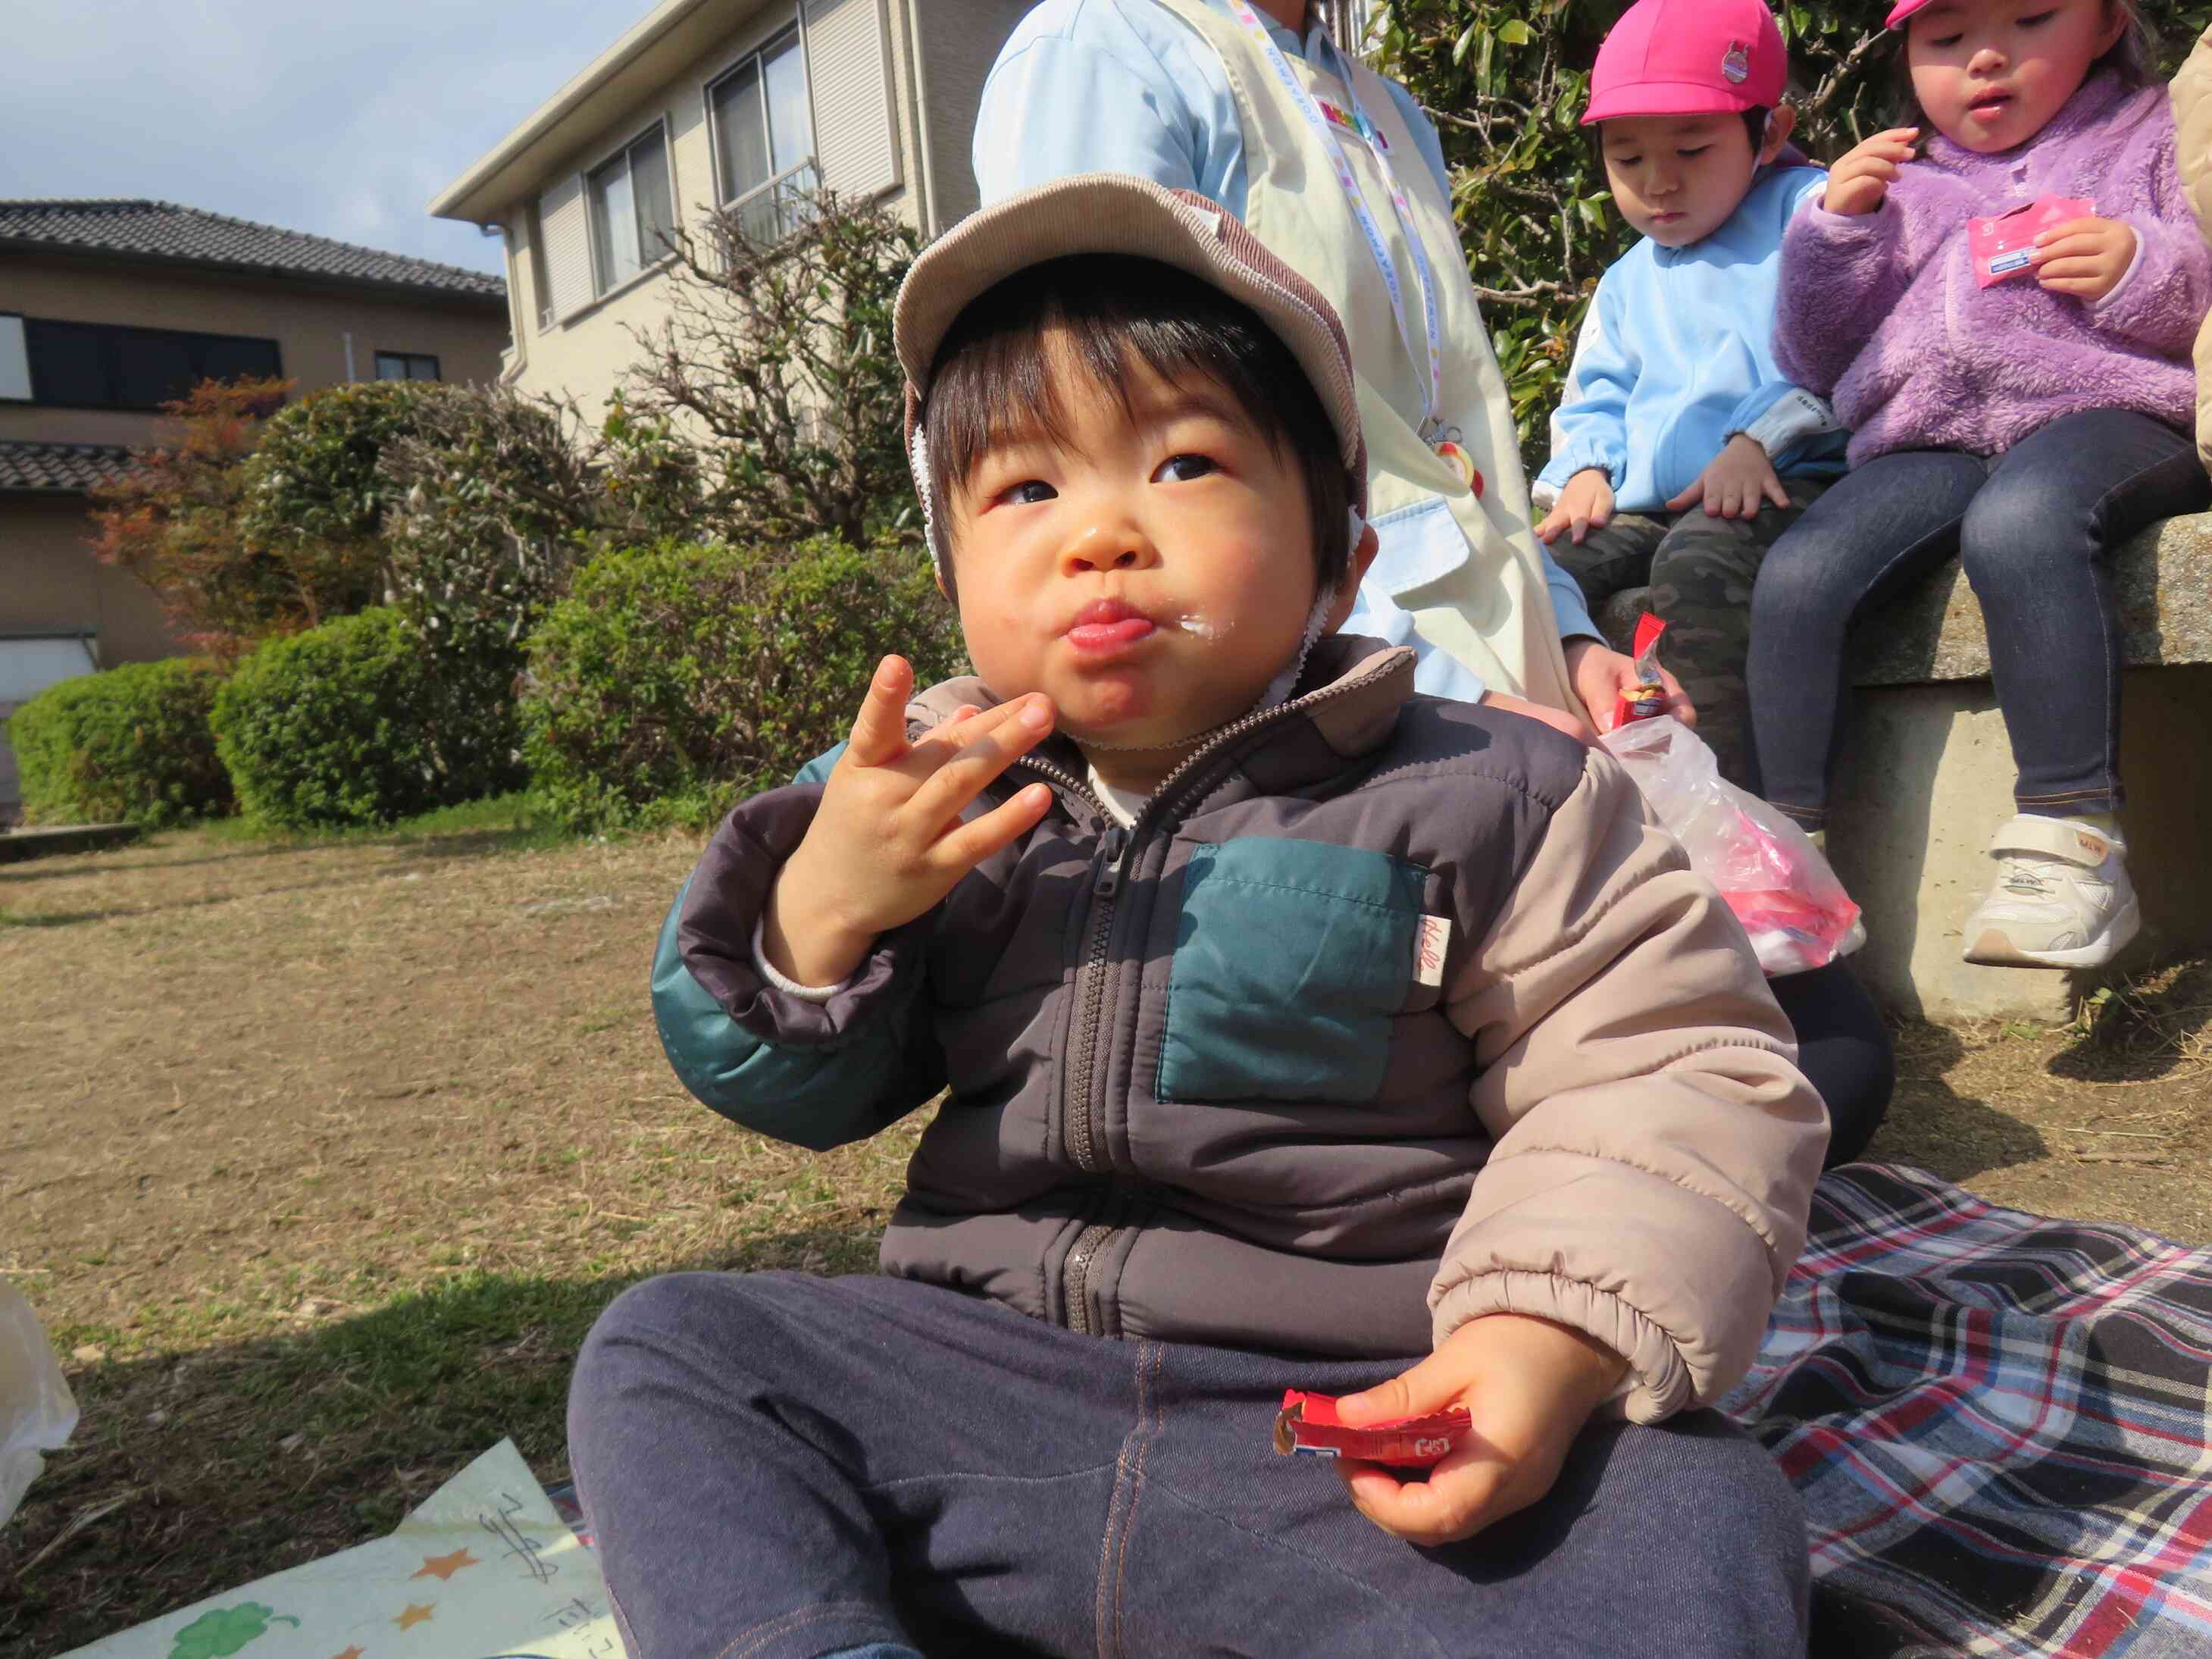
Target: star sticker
(443, 1567)
(413, 1615)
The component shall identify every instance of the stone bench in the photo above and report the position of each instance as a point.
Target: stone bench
(1926, 776)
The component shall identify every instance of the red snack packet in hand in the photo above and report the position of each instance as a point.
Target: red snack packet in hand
(1649, 696)
(2004, 245)
(1307, 1425)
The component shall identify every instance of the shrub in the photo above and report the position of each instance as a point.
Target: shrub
(173, 521)
(675, 678)
(129, 744)
(344, 725)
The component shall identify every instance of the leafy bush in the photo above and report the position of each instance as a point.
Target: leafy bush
(779, 351)
(173, 521)
(314, 476)
(129, 744)
(676, 678)
(345, 724)
(1506, 82)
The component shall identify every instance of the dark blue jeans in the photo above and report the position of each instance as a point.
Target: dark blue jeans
(781, 1465)
(2036, 528)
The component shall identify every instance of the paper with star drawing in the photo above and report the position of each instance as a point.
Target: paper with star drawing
(484, 1569)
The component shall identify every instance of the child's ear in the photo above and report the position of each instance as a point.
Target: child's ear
(1779, 126)
(1347, 595)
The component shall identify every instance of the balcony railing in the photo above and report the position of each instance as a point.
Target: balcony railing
(770, 212)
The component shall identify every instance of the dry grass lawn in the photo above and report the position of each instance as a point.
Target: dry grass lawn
(317, 1160)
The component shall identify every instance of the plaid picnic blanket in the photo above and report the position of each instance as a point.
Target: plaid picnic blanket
(1999, 1426)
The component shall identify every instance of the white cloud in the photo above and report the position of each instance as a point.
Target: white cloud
(343, 118)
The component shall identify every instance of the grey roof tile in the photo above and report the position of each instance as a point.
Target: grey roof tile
(161, 231)
(39, 469)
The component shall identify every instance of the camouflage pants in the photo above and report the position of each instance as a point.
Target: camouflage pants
(1699, 570)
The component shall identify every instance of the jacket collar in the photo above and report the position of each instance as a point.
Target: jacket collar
(1345, 705)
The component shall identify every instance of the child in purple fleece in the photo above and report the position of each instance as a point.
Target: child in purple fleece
(2031, 425)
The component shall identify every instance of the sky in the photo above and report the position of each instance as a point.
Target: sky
(343, 118)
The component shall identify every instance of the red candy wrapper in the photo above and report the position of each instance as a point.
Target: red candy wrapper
(1308, 1425)
(2004, 245)
(1649, 696)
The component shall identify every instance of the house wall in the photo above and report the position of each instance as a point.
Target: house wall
(308, 325)
(584, 351)
(49, 580)
(959, 44)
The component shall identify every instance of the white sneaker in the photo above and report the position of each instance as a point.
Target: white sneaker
(2061, 899)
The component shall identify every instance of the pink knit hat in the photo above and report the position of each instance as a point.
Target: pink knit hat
(1690, 57)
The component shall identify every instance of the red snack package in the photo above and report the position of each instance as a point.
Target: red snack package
(1308, 1425)
(2004, 245)
(1649, 696)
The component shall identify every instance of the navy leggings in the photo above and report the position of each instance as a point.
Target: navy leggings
(2036, 527)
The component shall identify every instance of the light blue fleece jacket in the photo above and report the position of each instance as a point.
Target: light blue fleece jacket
(1125, 85)
(1681, 356)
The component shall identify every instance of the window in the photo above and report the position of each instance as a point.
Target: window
(405, 366)
(104, 366)
(633, 221)
(765, 139)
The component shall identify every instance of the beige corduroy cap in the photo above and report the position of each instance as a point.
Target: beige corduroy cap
(1118, 213)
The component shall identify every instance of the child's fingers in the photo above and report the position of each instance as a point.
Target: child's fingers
(1774, 491)
(1685, 499)
(879, 729)
(2088, 246)
(2061, 272)
(2092, 230)
(971, 768)
(967, 846)
(976, 724)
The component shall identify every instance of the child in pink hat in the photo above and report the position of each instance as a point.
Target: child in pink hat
(1682, 450)
(2002, 303)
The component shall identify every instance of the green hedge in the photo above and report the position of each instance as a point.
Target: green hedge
(347, 724)
(677, 678)
(130, 744)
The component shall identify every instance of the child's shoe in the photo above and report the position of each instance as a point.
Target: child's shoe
(2061, 899)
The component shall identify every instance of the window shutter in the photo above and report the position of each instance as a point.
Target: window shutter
(848, 74)
(568, 250)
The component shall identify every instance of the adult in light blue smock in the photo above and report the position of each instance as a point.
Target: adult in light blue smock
(1144, 86)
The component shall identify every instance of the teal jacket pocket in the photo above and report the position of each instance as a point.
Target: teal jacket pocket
(1291, 959)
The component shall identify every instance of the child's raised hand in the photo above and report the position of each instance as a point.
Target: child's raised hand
(1736, 483)
(1586, 504)
(1859, 183)
(2086, 258)
(1528, 1384)
(887, 842)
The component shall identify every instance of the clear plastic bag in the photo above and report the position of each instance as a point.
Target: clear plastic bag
(1774, 877)
(37, 1411)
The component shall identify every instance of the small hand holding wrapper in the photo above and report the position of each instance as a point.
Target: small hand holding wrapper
(1309, 1425)
(2004, 245)
(1649, 695)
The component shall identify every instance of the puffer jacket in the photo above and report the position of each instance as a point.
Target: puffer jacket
(2192, 122)
(1389, 1013)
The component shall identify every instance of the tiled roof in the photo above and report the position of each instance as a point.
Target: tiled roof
(163, 232)
(58, 469)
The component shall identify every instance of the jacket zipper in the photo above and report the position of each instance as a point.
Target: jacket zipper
(1091, 978)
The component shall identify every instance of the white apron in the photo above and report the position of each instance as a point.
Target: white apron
(1462, 563)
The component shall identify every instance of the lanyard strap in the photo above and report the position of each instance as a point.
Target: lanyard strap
(1432, 392)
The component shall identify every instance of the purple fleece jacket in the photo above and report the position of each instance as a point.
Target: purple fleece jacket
(1880, 313)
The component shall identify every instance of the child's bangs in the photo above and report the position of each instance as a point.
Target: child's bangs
(1001, 376)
